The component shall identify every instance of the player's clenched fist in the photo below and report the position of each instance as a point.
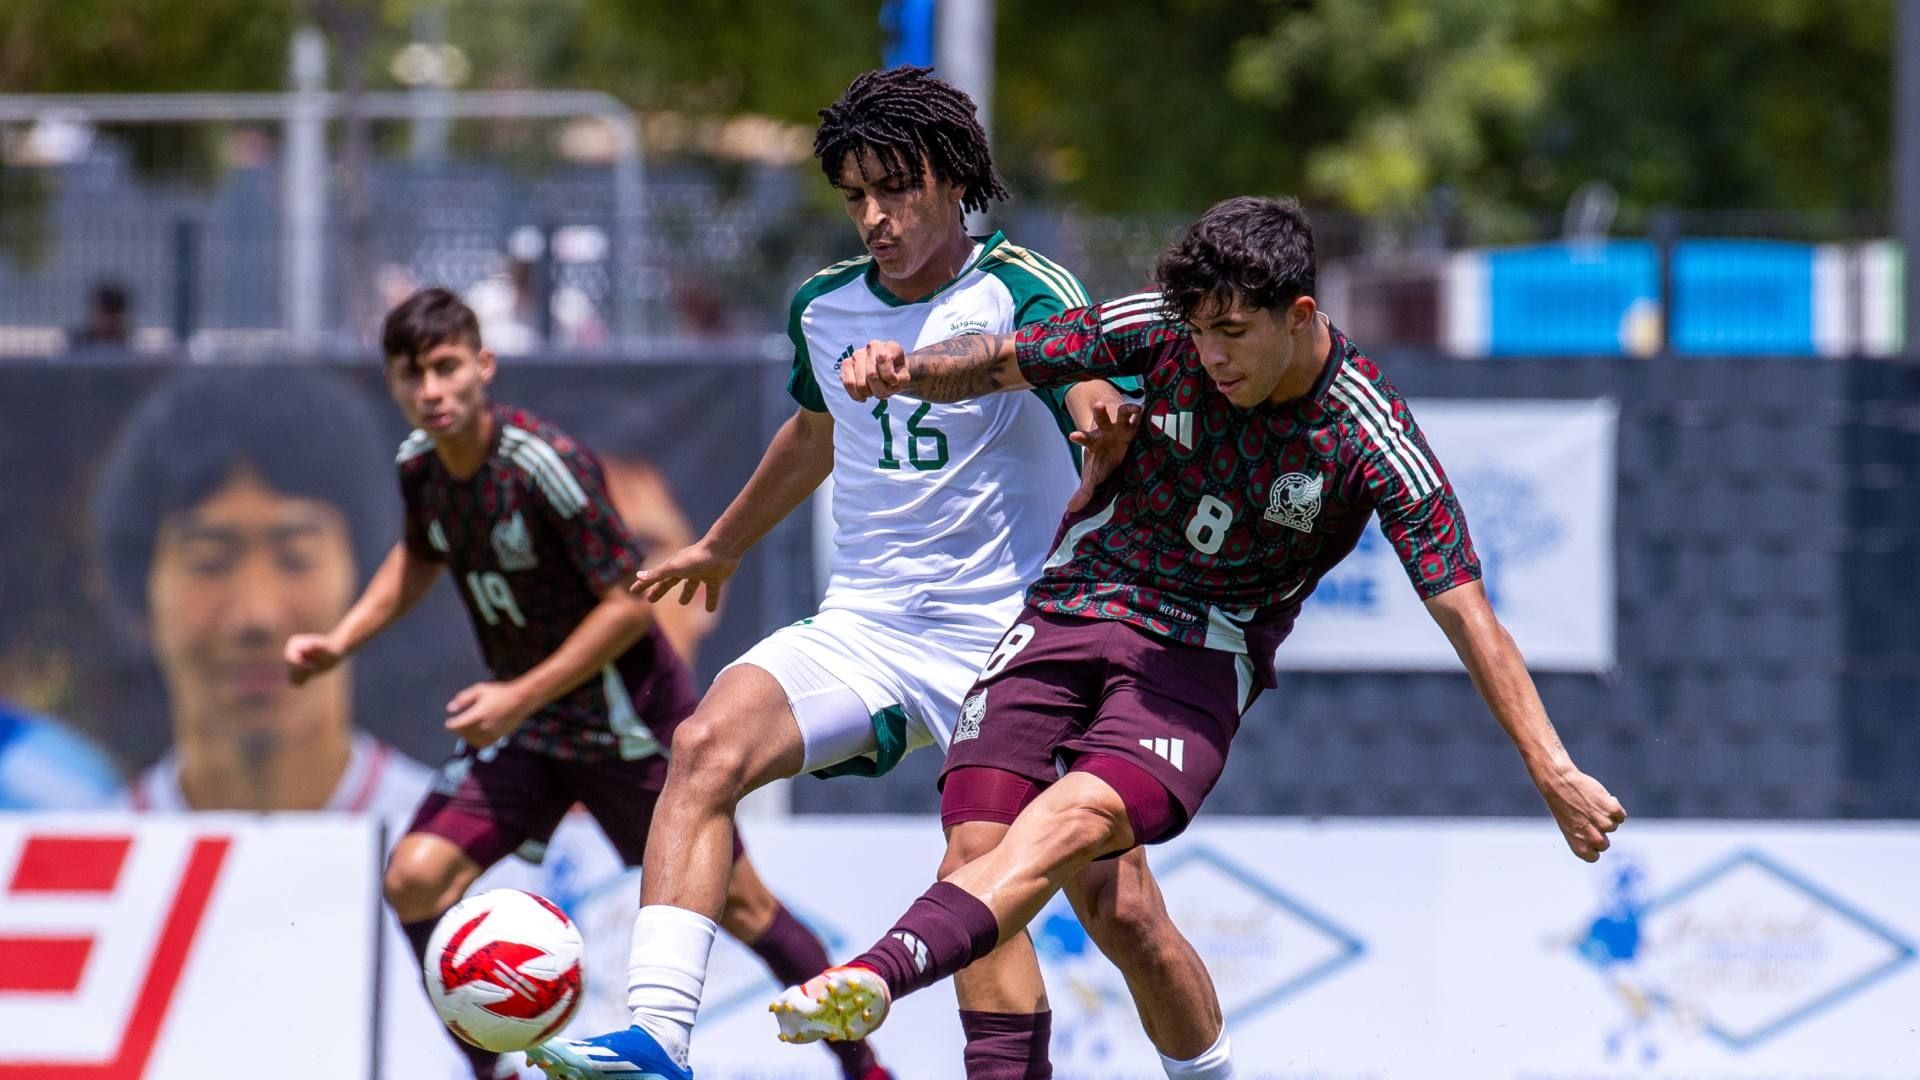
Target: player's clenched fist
(308, 655)
(877, 369)
(1586, 811)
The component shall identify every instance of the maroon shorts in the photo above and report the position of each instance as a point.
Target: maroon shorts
(1080, 688)
(494, 802)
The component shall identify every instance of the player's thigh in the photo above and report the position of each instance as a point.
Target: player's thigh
(1163, 730)
(1039, 687)
(490, 803)
(741, 737)
(840, 711)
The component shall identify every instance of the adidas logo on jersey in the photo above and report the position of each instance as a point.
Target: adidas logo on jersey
(1171, 751)
(437, 536)
(1176, 426)
(513, 545)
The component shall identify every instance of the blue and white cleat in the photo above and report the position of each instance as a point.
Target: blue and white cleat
(626, 1055)
(840, 1004)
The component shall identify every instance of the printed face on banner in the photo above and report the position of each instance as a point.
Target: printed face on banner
(233, 577)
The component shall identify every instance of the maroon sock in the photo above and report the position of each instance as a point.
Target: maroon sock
(483, 1061)
(794, 955)
(1007, 1046)
(944, 931)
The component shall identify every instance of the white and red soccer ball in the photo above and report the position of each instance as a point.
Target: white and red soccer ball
(503, 969)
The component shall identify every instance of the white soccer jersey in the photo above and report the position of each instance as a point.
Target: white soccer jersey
(940, 511)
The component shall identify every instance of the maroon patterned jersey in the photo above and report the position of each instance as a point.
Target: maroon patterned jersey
(1222, 520)
(533, 542)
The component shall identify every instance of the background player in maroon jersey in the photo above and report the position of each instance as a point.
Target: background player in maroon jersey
(1269, 442)
(585, 693)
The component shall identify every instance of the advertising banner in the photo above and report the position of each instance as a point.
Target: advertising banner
(181, 948)
(1537, 481)
(1375, 948)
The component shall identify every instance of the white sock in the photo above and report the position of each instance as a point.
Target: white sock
(1215, 1063)
(666, 972)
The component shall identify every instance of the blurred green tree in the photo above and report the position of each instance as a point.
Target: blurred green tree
(1496, 109)
(1499, 109)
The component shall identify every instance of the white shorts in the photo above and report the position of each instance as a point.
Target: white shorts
(866, 688)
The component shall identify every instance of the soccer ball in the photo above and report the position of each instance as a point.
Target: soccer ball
(503, 969)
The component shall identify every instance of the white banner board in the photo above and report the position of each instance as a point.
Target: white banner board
(204, 946)
(1536, 479)
(1404, 949)
(182, 948)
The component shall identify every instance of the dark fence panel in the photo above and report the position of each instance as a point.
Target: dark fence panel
(1768, 531)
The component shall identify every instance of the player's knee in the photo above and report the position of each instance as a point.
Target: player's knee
(968, 841)
(709, 760)
(420, 882)
(1124, 922)
(747, 913)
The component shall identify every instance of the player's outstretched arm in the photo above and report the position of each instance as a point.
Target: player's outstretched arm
(1584, 809)
(797, 460)
(403, 578)
(952, 370)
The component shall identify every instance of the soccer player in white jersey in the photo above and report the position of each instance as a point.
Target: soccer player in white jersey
(942, 515)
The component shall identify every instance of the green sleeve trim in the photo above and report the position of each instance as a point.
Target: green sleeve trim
(889, 735)
(801, 385)
(1041, 289)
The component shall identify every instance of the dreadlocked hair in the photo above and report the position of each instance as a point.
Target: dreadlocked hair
(900, 115)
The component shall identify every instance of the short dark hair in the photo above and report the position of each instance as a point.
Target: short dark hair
(431, 316)
(903, 114)
(307, 434)
(1255, 249)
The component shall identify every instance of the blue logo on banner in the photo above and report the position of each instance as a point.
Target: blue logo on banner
(1509, 522)
(1740, 953)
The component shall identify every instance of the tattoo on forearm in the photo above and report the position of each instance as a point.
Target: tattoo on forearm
(962, 367)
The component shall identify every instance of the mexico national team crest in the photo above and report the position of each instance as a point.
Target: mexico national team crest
(1295, 501)
(971, 712)
(513, 546)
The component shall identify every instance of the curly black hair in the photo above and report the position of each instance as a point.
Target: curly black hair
(901, 115)
(1255, 249)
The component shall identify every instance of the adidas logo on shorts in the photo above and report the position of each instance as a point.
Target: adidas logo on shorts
(1172, 751)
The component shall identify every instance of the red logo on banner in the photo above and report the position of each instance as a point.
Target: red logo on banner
(54, 964)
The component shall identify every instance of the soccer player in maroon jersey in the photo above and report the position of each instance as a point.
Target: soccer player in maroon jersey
(1269, 442)
(907, 154)
(585, 693)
